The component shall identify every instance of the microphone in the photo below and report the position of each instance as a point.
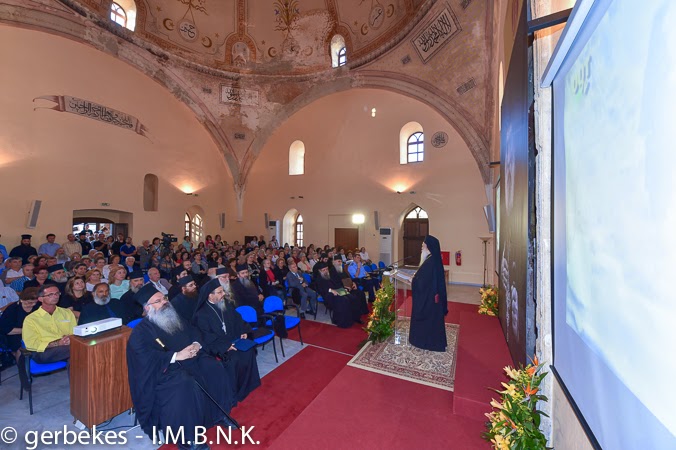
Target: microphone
(391, 266)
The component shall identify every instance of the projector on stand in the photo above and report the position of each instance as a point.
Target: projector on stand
(97, 327)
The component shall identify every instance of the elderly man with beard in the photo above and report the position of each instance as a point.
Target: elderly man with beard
(102, 307)
(58, 275)
(429, 302)
(220, 326)
(346, 308)
(340, 274)
(247, 293)
(185, 302)
(166, 369)
(134, 310)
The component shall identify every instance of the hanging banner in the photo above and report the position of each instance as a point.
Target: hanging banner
(86, 108)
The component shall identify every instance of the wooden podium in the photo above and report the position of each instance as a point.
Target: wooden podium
(99, 387)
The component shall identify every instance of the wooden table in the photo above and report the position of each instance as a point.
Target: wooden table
(99, 387)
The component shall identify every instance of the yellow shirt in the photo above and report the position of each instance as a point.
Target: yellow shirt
(40, 328)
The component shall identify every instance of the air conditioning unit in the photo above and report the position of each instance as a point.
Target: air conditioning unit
(274, 229)
(386, 245)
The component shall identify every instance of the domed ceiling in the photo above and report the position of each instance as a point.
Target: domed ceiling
(281, 37)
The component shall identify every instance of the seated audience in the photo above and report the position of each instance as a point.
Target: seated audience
(185, 302)
(18, 284)
(269, 281)
(118, 282)
(362, 278)
(7, 295)
(12, 318)
(346, 307)
(75, 296)
(41, 277)
(94, 277)
(308, 297)
(133, 309)
(160, 284)
(102, 307)
(246, 291)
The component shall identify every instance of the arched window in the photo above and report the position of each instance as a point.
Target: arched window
(150, 192)
(196, 229)
(417, 213)
(123, 12)
(299, 231)
(405, 134)
(118, 14)
(186, 229)
(342, 57)
(297, 158)
(338, 51)
(415, 147)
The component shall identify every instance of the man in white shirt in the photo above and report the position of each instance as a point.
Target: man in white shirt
(7, 295)
(13, 272)
(160, 284)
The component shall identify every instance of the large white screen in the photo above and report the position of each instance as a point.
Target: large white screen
(615, 223)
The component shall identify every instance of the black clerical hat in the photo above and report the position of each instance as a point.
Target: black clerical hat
(321, 265)
(135, 274)
(222, 271)
(337, 258)
(212, 264)
(144, 294)
(26, 236)
(54, 268)
(185, 280)
(241, 267)
(176, 271)
(323, 255)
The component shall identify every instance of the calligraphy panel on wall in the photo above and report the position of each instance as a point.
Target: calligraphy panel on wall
(435, 34)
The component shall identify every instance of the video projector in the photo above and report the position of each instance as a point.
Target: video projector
(97, 327)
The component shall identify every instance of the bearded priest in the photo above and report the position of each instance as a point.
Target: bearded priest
(221, 325)
(166, 368)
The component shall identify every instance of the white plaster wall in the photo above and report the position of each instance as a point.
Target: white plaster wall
(352, 166)
(73, 163)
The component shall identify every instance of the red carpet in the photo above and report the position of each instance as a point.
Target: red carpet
(323, 335)
(284, 394)
(361, 409)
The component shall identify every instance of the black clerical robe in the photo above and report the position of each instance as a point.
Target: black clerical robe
(184, 306)
(166, 394)
(429, 306)
(91, 312)
(23, 252)
(134, 310)
(361, 295)
(346, 309)
(247, 296)
(219, 330)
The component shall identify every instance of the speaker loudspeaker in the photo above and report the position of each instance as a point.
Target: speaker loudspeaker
(489, 211)
(221, 220)
(266, 221)
(34, 213)
(376, 220)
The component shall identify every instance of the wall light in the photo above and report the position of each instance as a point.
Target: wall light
(358, 219)
(373, 112)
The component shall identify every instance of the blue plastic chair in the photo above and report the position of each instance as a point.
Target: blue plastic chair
(320, 299)
(368, 269)
(4, 350)
(381, 265)
(32, 368)
(275, 307)
(134, 322)
(249, 315)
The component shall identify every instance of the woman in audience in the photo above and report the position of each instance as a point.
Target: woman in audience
(117, 282)
(304, 265)
(75, 296)
(232, 268)
(208, 242)
(114, 261)
(11, 320)
(280, 269)
(199, 266)
(167, 264)
(270, 281)
(261, 256)
(41, 274)
(42, 261)
(364, 255)
(254, 267)
(92, 278)
(213, 256)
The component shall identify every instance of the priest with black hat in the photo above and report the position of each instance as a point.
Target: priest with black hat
(176, 274)
(185, 302)
(58, 275)
(247, 293)
(220, 325)
(134, 310)
(168, 371)
(346, 308)
(24, 250)
(429, 302)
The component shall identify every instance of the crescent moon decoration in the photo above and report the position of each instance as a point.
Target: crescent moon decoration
(272, 52)
(168, 24)
(206, 41)
(364, 29)
(390, 10)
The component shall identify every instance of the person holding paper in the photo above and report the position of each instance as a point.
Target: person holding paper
(222, 328)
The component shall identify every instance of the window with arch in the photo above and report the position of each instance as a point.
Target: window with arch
(417, 213)
(338, 51)
(411, 143)
(123, 13)
(415, 147)
(299, 231)
(297, 158)
(194, 227)
(118, 14)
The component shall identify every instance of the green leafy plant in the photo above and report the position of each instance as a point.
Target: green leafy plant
(489, 300)
(381, 320)
(514, 422)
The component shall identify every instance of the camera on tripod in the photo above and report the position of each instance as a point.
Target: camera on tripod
(167, 239)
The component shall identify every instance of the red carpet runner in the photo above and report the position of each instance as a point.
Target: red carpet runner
(344, 340)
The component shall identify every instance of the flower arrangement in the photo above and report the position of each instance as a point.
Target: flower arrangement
(514, 422)
(381, 320)
(489, 300)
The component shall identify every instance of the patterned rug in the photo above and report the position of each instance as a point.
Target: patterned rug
(407, 362)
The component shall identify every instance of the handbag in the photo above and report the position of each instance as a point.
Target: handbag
(279, 325)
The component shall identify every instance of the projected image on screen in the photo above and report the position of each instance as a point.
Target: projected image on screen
(620, 109)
